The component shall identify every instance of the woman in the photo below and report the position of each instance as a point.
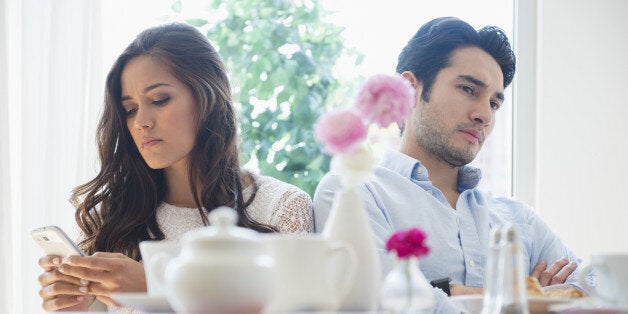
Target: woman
(168, 149)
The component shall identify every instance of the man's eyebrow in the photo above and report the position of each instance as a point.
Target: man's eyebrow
(146, 90)
(475, 81)
(500, 96)
(472, 80)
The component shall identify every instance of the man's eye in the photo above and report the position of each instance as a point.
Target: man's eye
(495, 105)
(467, 89)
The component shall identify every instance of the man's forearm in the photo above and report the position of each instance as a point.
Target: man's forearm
(462, 290)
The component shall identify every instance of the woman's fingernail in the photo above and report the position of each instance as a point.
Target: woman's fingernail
(56, 261)
(61, 269)
(84, 282)
(83, 289)
(80, 298)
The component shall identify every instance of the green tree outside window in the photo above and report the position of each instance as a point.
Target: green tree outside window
(281, 54)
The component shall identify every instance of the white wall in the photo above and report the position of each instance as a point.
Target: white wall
(5, 259)
(581, 115)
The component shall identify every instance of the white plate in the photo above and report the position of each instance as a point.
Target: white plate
(473, 303)
(143, 302)
(587, 306)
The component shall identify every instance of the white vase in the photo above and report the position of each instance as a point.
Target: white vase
(348, 222)
(406, 290)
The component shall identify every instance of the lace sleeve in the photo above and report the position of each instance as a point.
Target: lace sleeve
(294, 212)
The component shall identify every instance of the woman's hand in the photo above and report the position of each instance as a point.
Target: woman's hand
(59, 291)
(107, 273)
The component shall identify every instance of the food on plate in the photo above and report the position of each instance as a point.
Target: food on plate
(568, 292)
(533, 287)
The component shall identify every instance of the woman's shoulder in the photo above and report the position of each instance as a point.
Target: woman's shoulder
(284, 205)
(273, 185)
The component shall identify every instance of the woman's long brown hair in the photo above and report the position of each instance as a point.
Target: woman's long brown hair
(117, 209)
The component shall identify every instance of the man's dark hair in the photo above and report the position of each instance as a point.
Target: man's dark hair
(430, 49)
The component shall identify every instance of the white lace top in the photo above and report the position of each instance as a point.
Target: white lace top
(276, 203)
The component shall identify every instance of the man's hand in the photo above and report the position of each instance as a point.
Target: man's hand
(555, 274)
(462, 290)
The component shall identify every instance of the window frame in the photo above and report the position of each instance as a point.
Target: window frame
(525, 98)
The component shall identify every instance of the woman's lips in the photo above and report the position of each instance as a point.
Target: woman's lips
(149, 142)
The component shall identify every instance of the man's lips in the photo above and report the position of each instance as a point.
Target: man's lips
(473, 135)
(150, 141)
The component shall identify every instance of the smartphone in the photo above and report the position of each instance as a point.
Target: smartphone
(56, 242)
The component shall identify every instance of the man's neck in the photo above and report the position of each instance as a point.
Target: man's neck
(443, 175)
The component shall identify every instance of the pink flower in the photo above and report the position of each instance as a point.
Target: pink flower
(340, 131)
(385, 99)
(406, 243)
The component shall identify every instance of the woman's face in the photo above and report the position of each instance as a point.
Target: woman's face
(161, 112)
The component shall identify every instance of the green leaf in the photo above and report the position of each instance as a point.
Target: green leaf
(359, 60)
(316, 162)
(197, 22)
(284, 95)
(266, 89)
(176, 6)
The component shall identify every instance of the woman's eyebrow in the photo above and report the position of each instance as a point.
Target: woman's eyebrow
(147, 89)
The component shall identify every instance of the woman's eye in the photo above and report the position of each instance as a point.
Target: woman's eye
(162, 101)
(467, 89)
(130, 112)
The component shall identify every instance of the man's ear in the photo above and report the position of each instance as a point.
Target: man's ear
(408, 75)
(416, 83)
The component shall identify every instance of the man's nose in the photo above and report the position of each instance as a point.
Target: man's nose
(482, 112)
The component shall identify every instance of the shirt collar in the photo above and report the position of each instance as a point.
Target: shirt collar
(468, 177)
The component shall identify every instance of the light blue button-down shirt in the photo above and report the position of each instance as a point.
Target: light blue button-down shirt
(399, 195)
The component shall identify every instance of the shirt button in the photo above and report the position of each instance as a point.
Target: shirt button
(471, 263)
(457, 219)
(430, 192)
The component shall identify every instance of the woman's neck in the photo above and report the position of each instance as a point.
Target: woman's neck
(179, 192)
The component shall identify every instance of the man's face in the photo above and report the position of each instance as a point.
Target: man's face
(460, 113)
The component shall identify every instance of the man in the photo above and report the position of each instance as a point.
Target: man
(459, 75)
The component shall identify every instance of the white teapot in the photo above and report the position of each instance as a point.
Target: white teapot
(221, 269)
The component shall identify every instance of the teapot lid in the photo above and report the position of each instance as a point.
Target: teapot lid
(222, 228)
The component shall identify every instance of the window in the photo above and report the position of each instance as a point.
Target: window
(377, 31)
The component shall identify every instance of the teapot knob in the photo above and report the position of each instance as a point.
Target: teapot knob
(223, 217)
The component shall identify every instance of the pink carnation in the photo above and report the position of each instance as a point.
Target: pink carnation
(406, 243)
(386, 99)
(340, 131)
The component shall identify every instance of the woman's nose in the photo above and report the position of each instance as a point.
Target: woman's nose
(143, 118)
